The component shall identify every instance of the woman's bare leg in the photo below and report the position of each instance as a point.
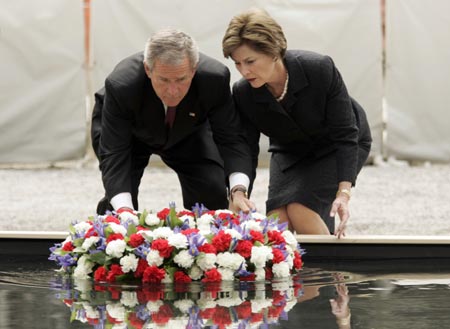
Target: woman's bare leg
(282, 216)
(305, 220)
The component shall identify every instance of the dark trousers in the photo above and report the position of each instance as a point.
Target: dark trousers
(202, 180)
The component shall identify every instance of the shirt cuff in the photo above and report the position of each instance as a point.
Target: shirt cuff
(238, 178)
(122, 200)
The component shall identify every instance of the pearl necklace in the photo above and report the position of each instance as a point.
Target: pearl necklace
(279, 99)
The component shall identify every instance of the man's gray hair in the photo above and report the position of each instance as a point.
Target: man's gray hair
(170, 46)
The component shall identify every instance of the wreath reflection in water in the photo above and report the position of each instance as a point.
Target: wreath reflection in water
(193, 305)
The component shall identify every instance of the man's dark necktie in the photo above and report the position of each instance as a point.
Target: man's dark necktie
(170, 116)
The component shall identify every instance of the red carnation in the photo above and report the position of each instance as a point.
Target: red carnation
(190, 231)
(269, 273)
(68, 246)
(162, 245)
(244, 310)
(112, 320)
(298, 263)
(163, 213)
(114, 271)
(153, 274)
(185, 212)
(221, 317)
(213, 275)
(257, 317)
(114, 236)
(181, 277)
(141, 267)
(136, 240)
(207, 313)
(208, 248)
(257, 236)
(163, 315)
(100, 274)
(135, 321)
(275, 237)
(250, 277)
(112, 219)
(278, 256)
(222, 241)
(90, 232)
(244, 248)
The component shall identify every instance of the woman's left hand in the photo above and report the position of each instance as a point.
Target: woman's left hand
(340, 206)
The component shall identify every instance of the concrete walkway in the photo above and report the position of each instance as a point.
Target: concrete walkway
(389, 199)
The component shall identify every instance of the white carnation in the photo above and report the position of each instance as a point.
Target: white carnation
(234, 234)
(127, 216)
(152, 220)
(91, 312)
(230, 260)
(116, 311)
(184, 259)
(206, 261)
(178, 241)
(223, 211)
(205, 220)
(260, 274)
(116, 248)
(129, 263)
(195, 272)
(290, 239)
(230, 301)
(260, 255)
(129, 299)
(154, 258)
(226, 273)
(252, 224)
(161, 233)
(206, 302)
(153, 306)
(184, 305)
(258, 216)
(82, 227)
(87, 243)
(190, 219)
(83, 268)
(117, 228)
(258, 305)
(281, 270)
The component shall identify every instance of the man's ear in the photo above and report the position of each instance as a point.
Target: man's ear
(147, 69)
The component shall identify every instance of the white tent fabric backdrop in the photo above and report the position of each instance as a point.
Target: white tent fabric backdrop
(42, 113)
(418, 79)
(43, 90)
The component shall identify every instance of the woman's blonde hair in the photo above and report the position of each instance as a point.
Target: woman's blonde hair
(258, 30)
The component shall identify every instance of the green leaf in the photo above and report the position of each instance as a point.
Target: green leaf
(142, 217)
(173, 218)
(98, 258)
(131, 229)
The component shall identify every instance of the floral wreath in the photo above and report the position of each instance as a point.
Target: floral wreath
(169, 246)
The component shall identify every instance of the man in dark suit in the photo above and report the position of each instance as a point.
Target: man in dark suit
(175, 102)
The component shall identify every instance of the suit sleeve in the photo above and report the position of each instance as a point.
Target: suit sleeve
(251, 133)
(115, 143)
(341, 122)
(227, 130)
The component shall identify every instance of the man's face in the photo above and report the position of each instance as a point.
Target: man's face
(171, 82)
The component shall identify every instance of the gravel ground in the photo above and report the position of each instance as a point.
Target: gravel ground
(389, 199)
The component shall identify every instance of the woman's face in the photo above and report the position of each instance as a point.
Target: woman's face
(257, 68)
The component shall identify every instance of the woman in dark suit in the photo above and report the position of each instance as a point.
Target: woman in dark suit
(319, 135)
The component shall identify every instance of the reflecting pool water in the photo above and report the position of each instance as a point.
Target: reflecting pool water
(33, 295)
